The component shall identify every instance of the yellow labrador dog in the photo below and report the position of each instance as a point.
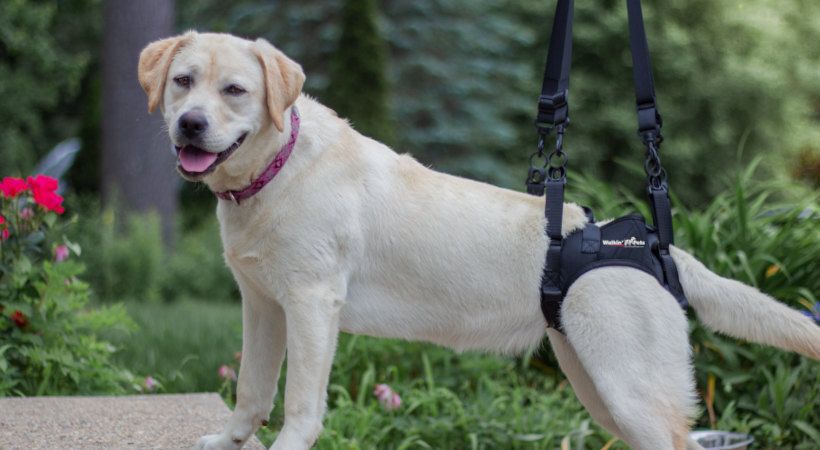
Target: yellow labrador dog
(326, 230)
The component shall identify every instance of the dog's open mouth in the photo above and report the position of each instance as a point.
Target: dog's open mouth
(194, 161)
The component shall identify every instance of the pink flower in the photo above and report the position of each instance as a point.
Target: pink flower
(60, 253)
(12, 187)
(2, 220)
(150, 383)
(226, 372)
(26, 213)
(389, 400)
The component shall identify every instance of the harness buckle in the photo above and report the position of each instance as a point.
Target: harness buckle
(649, 123)
(553, 110)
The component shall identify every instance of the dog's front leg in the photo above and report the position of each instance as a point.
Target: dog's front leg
(313, 327)
(263, 349)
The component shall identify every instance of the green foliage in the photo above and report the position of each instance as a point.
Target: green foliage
(125, 254)
(43, 59)
(196, 267)
(465, 76)
(182, 343)
(448, 401)
(743, 235)
(358, 90)
(127, 259)
(49, 336)
(722, 71)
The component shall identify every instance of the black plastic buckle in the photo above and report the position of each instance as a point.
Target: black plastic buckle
(649, 123)
(553, 110)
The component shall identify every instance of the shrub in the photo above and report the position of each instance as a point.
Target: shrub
(197, 269)
(49, 340)
(128, 261)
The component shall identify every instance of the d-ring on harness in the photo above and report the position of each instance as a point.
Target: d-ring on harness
(626, 241)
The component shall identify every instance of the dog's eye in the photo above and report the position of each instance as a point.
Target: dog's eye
(183, 81)
(234, 90)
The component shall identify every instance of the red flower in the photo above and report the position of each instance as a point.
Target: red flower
(2, 220)
(43, 182)
(43, 187)
(4, 234)
(19, 318)
(11, 186)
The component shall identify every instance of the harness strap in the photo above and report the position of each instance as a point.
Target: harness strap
(649, 118)
(553, 114)
(649, 128)
(553, 108)
(552, 282)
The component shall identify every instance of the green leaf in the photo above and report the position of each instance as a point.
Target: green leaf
(808, 429)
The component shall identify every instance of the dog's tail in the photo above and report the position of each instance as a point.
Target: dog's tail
(741, 311)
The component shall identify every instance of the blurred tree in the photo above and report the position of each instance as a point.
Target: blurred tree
(464, 75)
(43, 59)
(456, 73)
(358, 82)
(460, 86)
(137, 164)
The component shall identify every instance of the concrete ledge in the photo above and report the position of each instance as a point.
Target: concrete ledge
(133, 422)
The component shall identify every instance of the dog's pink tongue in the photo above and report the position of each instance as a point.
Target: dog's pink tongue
(195, 160)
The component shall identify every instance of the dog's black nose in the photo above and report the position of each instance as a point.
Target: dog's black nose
(192, 124)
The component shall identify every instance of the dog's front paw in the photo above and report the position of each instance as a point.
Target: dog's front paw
(218, 442)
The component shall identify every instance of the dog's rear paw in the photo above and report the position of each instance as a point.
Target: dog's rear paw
(217, 442)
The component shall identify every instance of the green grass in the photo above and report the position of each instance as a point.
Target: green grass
(453, 401)
(182, 344)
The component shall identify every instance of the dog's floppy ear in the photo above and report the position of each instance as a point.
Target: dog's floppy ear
(283, 80)
(155, 59)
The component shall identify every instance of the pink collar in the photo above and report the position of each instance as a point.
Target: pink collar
(273, 168)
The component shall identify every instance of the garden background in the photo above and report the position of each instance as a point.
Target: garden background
(454, 82)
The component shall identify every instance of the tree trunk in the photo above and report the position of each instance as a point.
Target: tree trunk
(137, 163)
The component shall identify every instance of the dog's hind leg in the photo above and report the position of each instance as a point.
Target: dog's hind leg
(631, 337)
(581, 382)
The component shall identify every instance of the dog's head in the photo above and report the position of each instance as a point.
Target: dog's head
(221, 96)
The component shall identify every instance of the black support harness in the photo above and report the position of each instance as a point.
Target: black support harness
(627, 241)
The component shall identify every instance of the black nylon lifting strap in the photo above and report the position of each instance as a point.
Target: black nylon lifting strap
(553, 114)
(649, 118)
(649, 128)
(553, 108)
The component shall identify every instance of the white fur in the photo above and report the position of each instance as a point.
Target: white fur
(353, 237)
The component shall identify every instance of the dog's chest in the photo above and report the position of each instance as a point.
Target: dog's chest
(249, 245)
